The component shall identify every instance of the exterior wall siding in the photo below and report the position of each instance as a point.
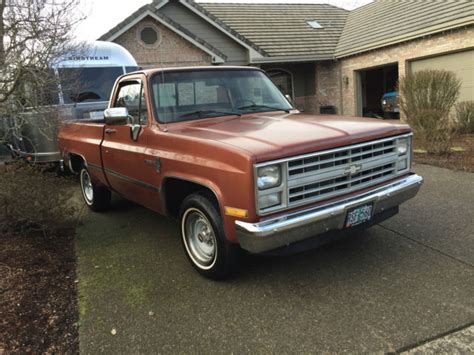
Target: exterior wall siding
(172, 50)
(236, 54)
(401, 54)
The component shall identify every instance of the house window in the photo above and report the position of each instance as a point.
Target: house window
(149, 35)
(283, 79)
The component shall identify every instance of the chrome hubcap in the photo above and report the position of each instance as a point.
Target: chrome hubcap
(87, 188)
(199, 238)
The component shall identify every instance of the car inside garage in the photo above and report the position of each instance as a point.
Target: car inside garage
(373, 84)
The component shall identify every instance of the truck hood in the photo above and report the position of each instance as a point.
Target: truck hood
(273, 136)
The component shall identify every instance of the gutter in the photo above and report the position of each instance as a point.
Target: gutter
(289, 59)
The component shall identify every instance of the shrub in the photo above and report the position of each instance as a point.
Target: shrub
(427, 98)
(465, 116)
(33, 199)
(434, 131)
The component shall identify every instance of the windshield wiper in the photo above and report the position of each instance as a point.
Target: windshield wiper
(255, 106)
(202, 113)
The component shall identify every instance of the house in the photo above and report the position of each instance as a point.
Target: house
(327, 58)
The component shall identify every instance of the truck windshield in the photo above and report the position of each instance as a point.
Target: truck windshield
(190, 95)
(88, 84)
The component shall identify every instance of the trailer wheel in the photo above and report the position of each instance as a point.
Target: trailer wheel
(97, 198)
(203, 238)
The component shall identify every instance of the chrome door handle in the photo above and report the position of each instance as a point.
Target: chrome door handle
(110, 130)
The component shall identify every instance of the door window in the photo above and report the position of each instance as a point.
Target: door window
(132, 96)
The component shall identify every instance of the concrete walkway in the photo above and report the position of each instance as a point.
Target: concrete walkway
(460, 342)
(389, 289)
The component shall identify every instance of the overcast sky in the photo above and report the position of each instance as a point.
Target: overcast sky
(102, 15)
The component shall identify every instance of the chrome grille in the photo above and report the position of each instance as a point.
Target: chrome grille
(327, 174)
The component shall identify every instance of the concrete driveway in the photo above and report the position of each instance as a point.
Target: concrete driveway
(388, 289)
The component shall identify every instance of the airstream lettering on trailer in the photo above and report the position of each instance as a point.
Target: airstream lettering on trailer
(85, 83)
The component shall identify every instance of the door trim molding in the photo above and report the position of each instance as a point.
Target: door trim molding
(132, 180)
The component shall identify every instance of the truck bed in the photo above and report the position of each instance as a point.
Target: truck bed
(84, 138)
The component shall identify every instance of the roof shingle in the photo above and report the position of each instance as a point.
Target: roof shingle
(281, 30)
(387, 22)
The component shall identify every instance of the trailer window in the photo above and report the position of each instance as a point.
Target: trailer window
(131, 69)
(88, 84)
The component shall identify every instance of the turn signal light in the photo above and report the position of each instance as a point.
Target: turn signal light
(236, 212)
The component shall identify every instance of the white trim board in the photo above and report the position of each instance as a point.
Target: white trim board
(252, 52)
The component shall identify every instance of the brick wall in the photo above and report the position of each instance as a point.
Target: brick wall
(171, 51)
(327, 89)
(307, 103)
(328, 85)
(401, 54)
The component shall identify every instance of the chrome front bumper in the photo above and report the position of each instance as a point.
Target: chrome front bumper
(298, 226)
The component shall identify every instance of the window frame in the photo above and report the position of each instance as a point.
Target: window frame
(142, 101)
(153, 27)
(163, 73)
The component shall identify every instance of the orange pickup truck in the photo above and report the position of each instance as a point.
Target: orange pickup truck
(224, 152)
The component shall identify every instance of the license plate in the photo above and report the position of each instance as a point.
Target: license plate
(358, 215)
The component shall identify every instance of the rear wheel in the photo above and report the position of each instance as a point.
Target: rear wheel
(97, 198)
(204, 241)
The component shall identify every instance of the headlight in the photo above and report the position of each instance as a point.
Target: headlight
(266, 201)
(403, 149)
(402, 165)
(384, 102)
(268, 177)
(402, 146)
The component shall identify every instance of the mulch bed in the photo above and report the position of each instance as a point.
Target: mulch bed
(38, 296)
(461, 157)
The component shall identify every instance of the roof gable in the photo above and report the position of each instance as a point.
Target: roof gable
(149, 10)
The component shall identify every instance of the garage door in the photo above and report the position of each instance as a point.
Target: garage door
(461, 63)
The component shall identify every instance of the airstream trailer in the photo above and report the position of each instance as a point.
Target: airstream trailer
(85, 82)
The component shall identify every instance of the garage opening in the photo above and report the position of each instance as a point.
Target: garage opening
(377, 96)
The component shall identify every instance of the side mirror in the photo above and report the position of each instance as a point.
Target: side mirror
(116, 116)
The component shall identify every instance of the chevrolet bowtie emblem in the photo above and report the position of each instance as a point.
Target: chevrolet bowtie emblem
(353, 169)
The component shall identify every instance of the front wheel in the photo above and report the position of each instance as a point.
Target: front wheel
(204, 241)
(97, 198)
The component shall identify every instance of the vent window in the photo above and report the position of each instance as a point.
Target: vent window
(314, 24)
(149, 36)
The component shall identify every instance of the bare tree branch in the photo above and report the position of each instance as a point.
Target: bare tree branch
(34, 35)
